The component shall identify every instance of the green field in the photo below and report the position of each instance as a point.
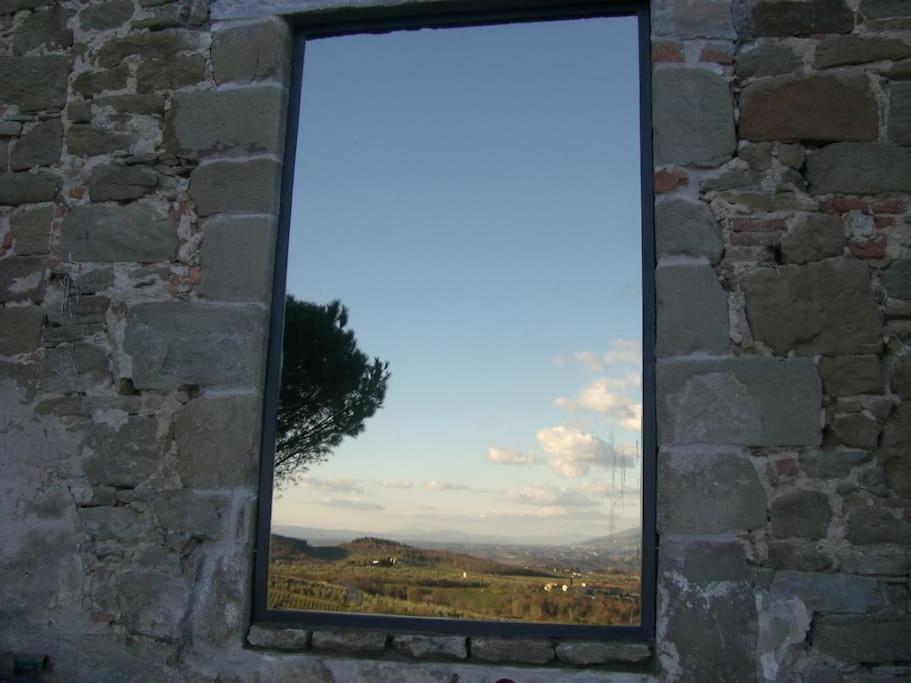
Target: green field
(377, 576)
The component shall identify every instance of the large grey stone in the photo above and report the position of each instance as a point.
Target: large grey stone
(278, 638)
(44, 29)
(708, 493)
(113, 182)
(849, 375)
(152, 105)
(819, 107)
(891, 560)
(217, 441)
(219, 616)
(800, 17)
(900, 113)
(868, 525)
(236, 121)
(799, 555)
(40, 146)
(27, 188)
(816, 237)
(176, 344)
(20, 329)
(105, 15)
(744, 401)
(692, 310)
(236, 186)
(828, 593)
(85, 140)
(31, 230)
(819, 308)
(693, 118)
(22, 278)
(685, 228)
(252, 51)
(704, 559)
(72, 368)
(33, 83)
(896, 279)
(852, 639)
(431, 647)
(859, 168)
(855, 49)
(831, 464)
(804, 513)
(349, 641)
(170, 74)
(135, 232)
(192, 513)
(856, 429)
(154, 602)
(901, 376)
(236, 258)
(586, 653)
(766, 58)
(512, 650)
(108, 523)
(154, 45)
(123, 456)
(91, 83)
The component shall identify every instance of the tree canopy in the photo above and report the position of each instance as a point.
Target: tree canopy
(329, 387)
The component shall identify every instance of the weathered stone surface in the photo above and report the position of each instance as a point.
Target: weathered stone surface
(278, 638)
(348, 641)
(236, 186)
(849, 375)
(859, 168)
(33, 83)
(22, 278)
(302, 669)
(176, 344)
(113, 182)
(31, 230)
(389, 672)
(874, 559)
(856, 429)
(169, 15)
(156, 45)
(236, 121)
(685, 228)
(106, 15)
(84, 140)
(801, 512)
(586, 653)
(123, 456)
(7, 6)
(512, 650)
(831, 464)
(866, 525)
(40, 146)
(191, 513)
(431, 647)
(708, 493)
(783, 627)
(863, 639)
(154, 602)
(133, 104)
(704, 560)
(79, 112)
(817, 237)
(819, 107)
(900, 113)
(91, 83)
(828, 593)
(896, 279)
(799, 555)
(881, 9)
(107, 523)
(217, 441)
(745, 401)
(27, 188)
(44, 29)
(895, 450)
(855, 49)
(72, 368)
(219, 615)
(766, 58)
(136, 232)
(252, 52)
(230, 273)
(20, 329)
(170, 74)
(692, 310)
(800, 18)
(901, 376)
(783, 180)
(826, 307)
(693, 118)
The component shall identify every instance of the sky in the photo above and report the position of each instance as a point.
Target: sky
(472, 196)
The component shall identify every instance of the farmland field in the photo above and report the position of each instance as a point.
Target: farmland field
(372, 575)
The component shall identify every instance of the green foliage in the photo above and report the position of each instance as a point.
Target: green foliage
(329, 387)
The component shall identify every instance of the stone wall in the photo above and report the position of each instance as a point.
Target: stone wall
(140, 156)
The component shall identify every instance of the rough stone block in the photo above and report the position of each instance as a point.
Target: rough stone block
(217, 442)
(818, 108)
(40, 146)
(113, 182)
(896, 279)
(348, 641)
(108, 523)
(868, 525)
(766, 58)
(236, 258)
(136, 232)
(107, 15)
(236, 187)
(816, 237)
(431, 647)
(43, 29)
(798, 555)
(170, 74)
(708, 493)
(154, 602)
(27, 188)
(855, 49)
(804, 513)
(831, 464)
(704, 560)
(693, 118)
(900, 113)
(828, 593)
(85, 140)
(191, 513)
(20, 329)
(850, 375)
(888, 560)
(154, 45)
(176, 344)
(744, 401)
(123, 456)
(219, 617)
(512, 650)
(237, 121)
(819, 308)
(31, 229)
(73, 368)
(859, 168)
(685, 228)
(692, 310)
(587, 653)
(852, 639)
(152, 105)
(278, 638)
(33, 83)
(251, 52)
(91, 83)
(22, 278)
(800, 17)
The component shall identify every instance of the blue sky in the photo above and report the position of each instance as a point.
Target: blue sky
(472, 196)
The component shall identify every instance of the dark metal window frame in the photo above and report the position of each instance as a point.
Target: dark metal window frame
(443, 14)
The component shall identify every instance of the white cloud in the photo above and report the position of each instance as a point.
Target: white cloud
(572, 453)
(434, 485)
(352, 504)
(334, 485)
(550, 496)
(611, 397)
(397, 484)
(506, 456)
(622, 352)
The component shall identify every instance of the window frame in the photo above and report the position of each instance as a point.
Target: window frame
(450, 14)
